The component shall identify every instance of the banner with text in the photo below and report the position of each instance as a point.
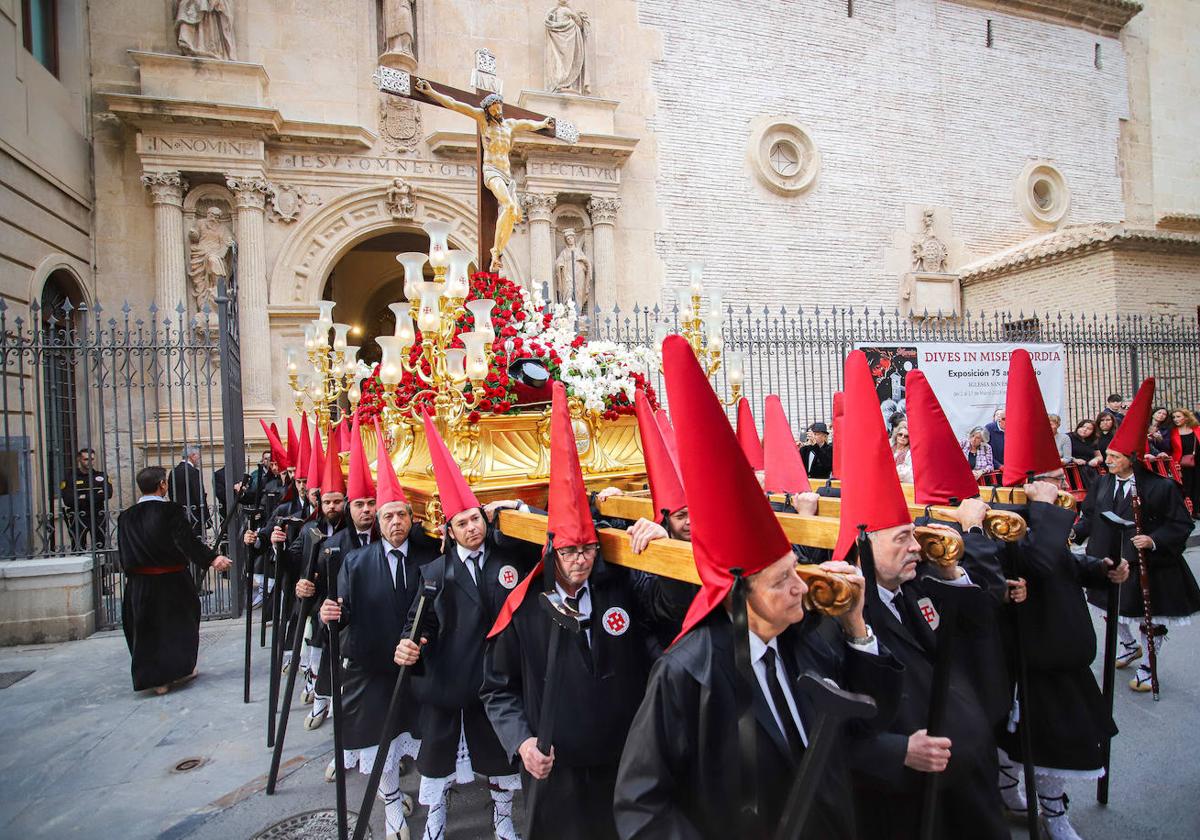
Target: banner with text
(970, 380)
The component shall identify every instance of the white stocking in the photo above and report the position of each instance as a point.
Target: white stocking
(502, 804)
(435, 819)
(1125, 634)
(393, 799)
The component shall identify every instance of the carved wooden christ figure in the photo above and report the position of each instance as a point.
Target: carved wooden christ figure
(496, 134)
(204, 28)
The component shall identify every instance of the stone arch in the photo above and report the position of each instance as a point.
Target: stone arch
(58, 262)
(320, 241)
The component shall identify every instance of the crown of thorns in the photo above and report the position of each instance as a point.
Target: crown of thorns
(490, 100)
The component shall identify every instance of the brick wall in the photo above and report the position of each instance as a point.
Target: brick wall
(907, 106)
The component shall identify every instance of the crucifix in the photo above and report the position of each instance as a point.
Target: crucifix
(499, 208)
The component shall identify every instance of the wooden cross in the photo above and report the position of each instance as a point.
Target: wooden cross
(403, 84)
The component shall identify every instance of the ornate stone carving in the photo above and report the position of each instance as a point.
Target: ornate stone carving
(400, 200)
(930, 253)
(1041, 194)
(284, 202)
(209, 242)
(399, 29)
(573, 273)
(567, 67)
(784, 155)
(250, 193)
(165, 187)
(604, 210)
(540, 206)
(204, 28)
(399, 124)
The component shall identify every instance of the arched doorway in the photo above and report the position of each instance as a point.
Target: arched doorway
(366, 279)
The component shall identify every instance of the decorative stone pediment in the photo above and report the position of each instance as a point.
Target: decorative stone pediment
(925, 257)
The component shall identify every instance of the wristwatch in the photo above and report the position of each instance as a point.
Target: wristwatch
(861, 640)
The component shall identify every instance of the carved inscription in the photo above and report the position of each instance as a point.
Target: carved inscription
(369, 165)
(576, 171)
(212, 146)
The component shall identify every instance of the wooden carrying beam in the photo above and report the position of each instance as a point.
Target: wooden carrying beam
(814, 531)
(1002, 495)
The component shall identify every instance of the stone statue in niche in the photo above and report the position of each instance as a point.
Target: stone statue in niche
(930, 254)
(204, 28)
(399, 27)
(210, 240)
(567, 67)
(573, 273)
(400, 200)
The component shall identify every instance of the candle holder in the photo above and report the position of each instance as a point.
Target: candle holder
(325, 369)
(702, 327)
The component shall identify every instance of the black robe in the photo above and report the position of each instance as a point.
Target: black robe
(186, 488)
(374, 614)
(1065, 710)
(600, 687)
(449, 674)
(327, 564)
(160, 613)
(889, 794)
(678, 776)
(1165, 519)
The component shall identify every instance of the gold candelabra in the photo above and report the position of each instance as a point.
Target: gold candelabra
(442, 370)
(702, 329)
(333, 365)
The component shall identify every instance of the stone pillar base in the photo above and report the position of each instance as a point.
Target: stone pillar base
(46, 599)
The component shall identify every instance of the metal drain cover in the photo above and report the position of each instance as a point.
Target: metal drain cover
(189, 764)
(310, 825)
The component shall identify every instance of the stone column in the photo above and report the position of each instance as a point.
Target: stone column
(250, 194)
(170, 258)
(604, 258)
(539, 207)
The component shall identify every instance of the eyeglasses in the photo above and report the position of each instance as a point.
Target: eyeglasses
(574, 552)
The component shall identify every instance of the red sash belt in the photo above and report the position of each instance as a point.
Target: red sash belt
(156, 570)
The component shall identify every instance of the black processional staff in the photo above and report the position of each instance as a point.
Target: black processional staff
(833, 707)
(332, 556)
(306, 605)
(1148, 628)
(292, 524)
(1111, 618)
(270, 500)
(1023, 701)
(563, 619)
(749, 815)
(424, 604)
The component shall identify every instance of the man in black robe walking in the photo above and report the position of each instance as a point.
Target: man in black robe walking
(160, 610)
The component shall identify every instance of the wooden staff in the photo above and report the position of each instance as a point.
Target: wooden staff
(1144, 580)
(305, 608)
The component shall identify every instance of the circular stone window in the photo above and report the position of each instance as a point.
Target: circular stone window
(1042, 195)
(783, 155)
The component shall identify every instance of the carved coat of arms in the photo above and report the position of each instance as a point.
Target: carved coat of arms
(399, 124)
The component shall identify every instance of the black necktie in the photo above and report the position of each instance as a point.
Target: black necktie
(790, 730)
(473, 562)
(899, 603)
(584, 623)
(1122, 484)
(362, 540)
(401, 582)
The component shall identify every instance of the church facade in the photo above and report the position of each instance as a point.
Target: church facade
(934, 155)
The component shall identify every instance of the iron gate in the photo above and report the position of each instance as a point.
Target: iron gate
(90, 397)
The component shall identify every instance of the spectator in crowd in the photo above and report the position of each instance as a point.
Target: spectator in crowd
(901, 453)
(1183, 453)
(1060, 440)
(1084, 444)
(1106, 427)
(995, 437)
(1159, 436)
(1161, 418)
(978, 451)
(817, 452)
(1115, 405)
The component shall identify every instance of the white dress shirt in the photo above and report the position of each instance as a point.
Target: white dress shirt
(464, 555)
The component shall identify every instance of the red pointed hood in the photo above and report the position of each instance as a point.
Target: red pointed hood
(316, 459)
(940, 469)
(453, 491)
(293, 444)
(668, 432)
(569, 519)
(871, 492)
(785, 467)
(1130, 438)
(666, 487)
(332, 480)
(747, 435)
(340, 439)
(839, 408)
(359, 485)
(720, 484)
(278, 453)
(387, 486)
(305, 450)
(1028, 442)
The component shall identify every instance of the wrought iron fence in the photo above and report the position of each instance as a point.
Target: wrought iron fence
(797, 352)
(90, 397)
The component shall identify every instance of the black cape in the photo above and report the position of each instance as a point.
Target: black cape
(160, 613)
(678, 776)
